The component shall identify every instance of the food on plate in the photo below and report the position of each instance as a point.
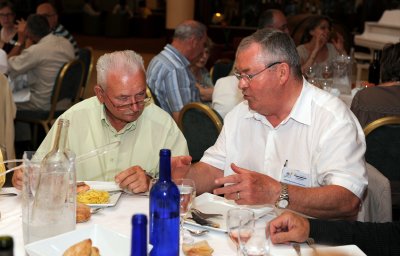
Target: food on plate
(330, 253)
(93, 196)
(82, 187)
(201, 248)
(82, 212)
(83, 248)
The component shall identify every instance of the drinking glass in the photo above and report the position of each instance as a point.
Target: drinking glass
(240, 219)
(258, 244)
(187, 190)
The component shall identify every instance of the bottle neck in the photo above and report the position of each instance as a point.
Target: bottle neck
(165, 168)
(61, 136)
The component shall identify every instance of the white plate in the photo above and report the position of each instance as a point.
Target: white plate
(346, 250)
(107, 186)
(108, 242)
(209, 203)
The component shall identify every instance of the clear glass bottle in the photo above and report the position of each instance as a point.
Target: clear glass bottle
(55, 200)
(164, 211)
(6, 246)
(139, 235)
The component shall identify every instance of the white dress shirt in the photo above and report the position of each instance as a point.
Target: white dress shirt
(226, 95)
(319, 138)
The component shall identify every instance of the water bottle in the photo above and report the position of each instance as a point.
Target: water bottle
(139, 235)
(55, 199)
(374, 69)
(6, 246)
(164, 211)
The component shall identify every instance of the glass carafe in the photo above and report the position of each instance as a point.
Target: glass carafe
(342, 74)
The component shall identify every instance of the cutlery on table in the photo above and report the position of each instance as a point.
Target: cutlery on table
(203, 222)
(311, 244)
(8, 194)
(296, 247)
(206, 215)
(197, 232)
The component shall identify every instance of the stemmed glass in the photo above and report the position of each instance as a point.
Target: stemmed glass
(187, 190)
(240, 219)
(258, 244)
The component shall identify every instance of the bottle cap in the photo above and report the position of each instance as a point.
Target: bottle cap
(6, 243)
(165, 152)
(139, 219)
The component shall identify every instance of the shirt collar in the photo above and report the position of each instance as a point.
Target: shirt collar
(179, 55)
(128, 127)
(301, 111)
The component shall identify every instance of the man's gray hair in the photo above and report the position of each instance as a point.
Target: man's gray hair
(276, 46)
(127, 60)
(188, 29)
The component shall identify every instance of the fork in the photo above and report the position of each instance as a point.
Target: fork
(311, 244)
(296, 247)
(205, 215)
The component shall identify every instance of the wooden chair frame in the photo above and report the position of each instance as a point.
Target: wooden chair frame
(381, 122)
(203, 108)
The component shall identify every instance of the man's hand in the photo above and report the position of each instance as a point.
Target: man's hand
(180, 166)
(248, 187)
(133, 179)
(289, 227)
(17, 178)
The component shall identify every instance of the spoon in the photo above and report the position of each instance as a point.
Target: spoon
(197, 232)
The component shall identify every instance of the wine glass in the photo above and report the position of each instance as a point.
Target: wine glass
(187, 190)
(258, 244)
(240, 218)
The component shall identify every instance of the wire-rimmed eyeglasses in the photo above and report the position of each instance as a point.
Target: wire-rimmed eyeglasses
(249, 77)
(126, 103)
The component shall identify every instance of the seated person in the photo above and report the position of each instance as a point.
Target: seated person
(318, 46)
(40, 62)
(49, 11)
(289, 143)
(168, 73)
(120, 111)
(8, 32)
(383, 100)
(202, 75)
(226, 95)
(372, 238)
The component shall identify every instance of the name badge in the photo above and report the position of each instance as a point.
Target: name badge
(296, 177)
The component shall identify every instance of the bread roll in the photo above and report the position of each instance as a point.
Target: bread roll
(82, 187)
(201, 248)
(82, 212)
(83, 248)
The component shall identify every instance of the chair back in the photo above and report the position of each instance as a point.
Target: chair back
(201, 126)
(86, 56)
(383, 146)
(221, 68)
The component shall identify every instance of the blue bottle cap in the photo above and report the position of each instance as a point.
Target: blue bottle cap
(139, 219)
(165, 152)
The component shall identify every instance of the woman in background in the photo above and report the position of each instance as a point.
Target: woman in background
(318, 46)
(203, 79)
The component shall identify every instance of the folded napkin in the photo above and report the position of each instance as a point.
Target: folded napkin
(201, 248)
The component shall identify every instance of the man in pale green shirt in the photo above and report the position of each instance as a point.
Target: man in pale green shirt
(120, 111)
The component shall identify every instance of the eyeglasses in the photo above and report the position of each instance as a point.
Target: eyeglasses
(126, 102)
(6, 15)
(249, 77)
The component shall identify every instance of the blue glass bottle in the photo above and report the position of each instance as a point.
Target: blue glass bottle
(164, 211)
(139, 235)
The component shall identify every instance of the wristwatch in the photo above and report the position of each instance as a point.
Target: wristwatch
(283, 200)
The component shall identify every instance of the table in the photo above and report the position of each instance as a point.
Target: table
(117, 219)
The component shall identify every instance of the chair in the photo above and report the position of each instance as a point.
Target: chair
(383, 152)
(221, 68)
(201, 126)
(86, 56)
(66, 92)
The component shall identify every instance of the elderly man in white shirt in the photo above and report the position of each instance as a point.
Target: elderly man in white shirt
(289, 143)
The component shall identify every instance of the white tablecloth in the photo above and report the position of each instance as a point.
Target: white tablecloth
(118, 219)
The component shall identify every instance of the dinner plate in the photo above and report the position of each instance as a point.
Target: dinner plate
(346, 250)
(108, 242)
(107, 186)
(209, 203)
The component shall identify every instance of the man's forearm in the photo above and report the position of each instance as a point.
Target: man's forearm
(204, 176)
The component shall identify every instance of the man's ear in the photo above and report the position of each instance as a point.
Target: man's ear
(99, 93)
(284, 72)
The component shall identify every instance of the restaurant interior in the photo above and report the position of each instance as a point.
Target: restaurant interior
(146, 26)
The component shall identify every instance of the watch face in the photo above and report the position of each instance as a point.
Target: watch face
(283, 203)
